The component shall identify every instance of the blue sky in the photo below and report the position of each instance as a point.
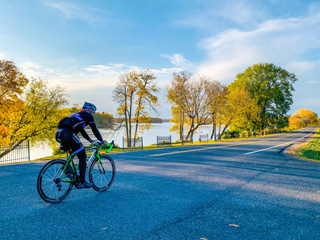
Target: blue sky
(85, 45)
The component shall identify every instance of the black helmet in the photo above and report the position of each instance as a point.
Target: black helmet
(89, 106)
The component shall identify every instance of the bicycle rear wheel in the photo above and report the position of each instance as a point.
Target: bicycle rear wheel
(102, 173)
(51, 184)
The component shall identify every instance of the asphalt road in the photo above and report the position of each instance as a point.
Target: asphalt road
(235, 190)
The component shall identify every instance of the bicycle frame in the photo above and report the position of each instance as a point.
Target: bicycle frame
(95, 154)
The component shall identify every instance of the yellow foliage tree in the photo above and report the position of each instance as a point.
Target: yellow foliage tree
(12, 84)
(38, 116)
(239, 111)
(303, 118)
(134, 93)
(190, 95)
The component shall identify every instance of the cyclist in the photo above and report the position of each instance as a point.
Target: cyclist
(66, 135)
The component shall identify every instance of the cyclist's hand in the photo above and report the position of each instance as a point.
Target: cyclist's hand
(96, 143)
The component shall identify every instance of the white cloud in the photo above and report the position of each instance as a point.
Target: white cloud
(313, 82)
(31, 69)
(178, 60)
(284, 42)
(72, 11)
(213, 14)
(116, 69)
(240, 12)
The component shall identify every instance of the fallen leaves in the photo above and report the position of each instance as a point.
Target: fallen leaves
(234, 225)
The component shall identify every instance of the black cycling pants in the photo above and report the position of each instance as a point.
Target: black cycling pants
(70, 141)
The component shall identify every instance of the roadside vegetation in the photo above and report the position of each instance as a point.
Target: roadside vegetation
(312, 149)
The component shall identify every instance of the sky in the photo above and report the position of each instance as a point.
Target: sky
(84, 46)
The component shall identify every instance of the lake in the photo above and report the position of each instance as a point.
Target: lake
(149, 137)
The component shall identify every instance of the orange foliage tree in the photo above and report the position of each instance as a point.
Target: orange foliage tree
(303, 118)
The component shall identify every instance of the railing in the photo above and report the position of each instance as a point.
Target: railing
(164, 141)
(19, 154)
(203, 137)
(186, 140)
(131, 144)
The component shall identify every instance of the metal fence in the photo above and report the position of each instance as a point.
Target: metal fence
(250, 134)
(186, 140)
(203, 137)
(164, 141)
(131, 144)
(19, 154)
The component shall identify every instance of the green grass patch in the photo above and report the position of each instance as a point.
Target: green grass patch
(312, 149)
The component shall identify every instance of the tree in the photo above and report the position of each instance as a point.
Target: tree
(191, 97)
(217, 94)
(145, 98)
(240, 112)
(38, 117)
(134, 93)
(12, 83)
(303, 118)
(178, 118)
(272, 88)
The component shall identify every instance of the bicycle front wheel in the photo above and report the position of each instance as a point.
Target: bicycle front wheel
(53, 184)
(102, 173)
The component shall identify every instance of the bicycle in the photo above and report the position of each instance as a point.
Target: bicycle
(57, 178)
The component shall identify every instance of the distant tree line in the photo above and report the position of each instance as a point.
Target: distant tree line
(258, 99)
(103, 120)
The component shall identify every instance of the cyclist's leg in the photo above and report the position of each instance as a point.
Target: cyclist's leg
(72, 141)
(77, 148)
(82, 164)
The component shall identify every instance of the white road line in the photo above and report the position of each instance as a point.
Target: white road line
(280, 144)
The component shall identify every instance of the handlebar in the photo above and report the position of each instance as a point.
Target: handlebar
(97, 143)
(111, 145)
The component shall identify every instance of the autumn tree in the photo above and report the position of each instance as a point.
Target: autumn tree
(303, 118)
(190, 95)
(135, 95)
(145, 99)
(38, 117)
(217, 96)
(272, 87)
(178, 120)
(12, 83)
(240, 112)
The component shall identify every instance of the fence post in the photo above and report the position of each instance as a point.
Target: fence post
(122, 144)
(28, 150)
(170, 141)
(142, 143)
(157, 141)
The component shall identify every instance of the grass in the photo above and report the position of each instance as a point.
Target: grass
(312, 149)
